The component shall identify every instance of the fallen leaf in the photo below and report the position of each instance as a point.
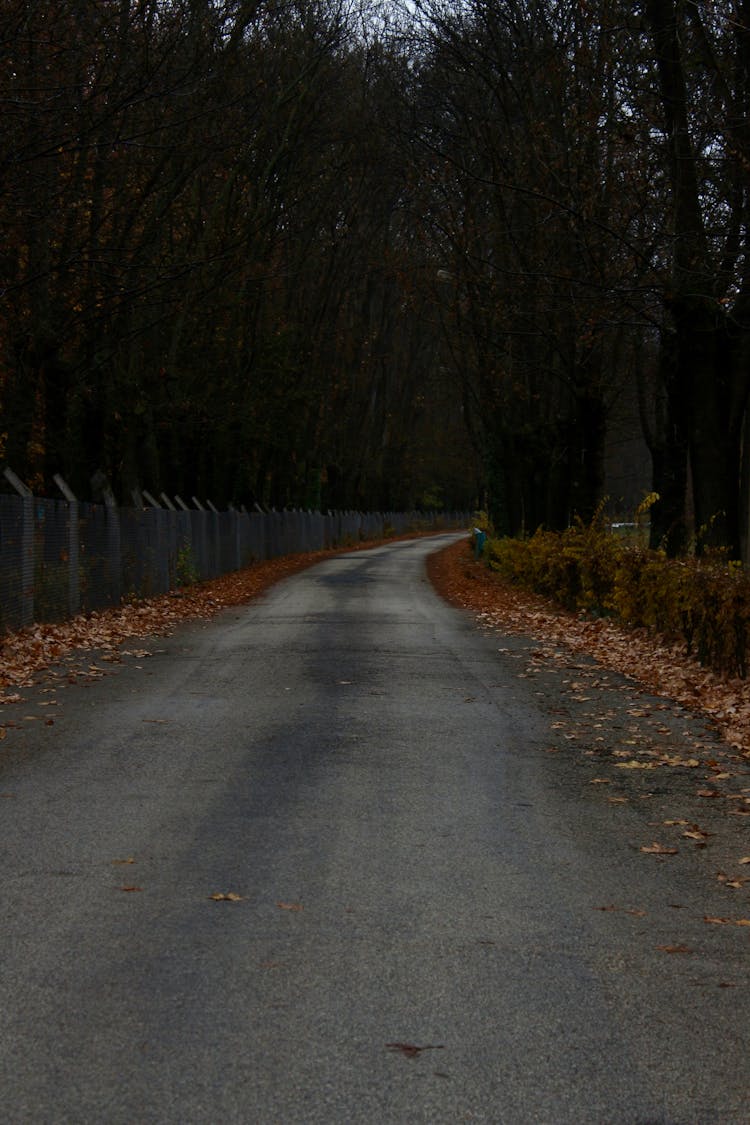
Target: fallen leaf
(634, 912)
(745, 859)
(659, 849)
(411, 1050)
(131, 888)
(675, 823)
(290, 906)
(696, 834)
(674, 948)
(123, 861)
(717, 921)
(618, 800)
(229, 896)
(633, 764)
(599, 781)
(708, 793)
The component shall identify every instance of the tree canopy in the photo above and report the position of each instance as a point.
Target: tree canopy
(313, 253)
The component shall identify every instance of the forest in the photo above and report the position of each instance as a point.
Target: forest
(339, 253)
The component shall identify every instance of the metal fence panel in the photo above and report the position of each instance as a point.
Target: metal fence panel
(12, 561)
(51, 560)
(59, 557)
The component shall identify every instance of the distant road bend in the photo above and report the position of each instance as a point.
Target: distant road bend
(414, 932)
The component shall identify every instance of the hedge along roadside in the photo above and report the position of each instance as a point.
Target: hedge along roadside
(702, 603)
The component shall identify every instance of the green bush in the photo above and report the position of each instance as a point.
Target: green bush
(186, 568)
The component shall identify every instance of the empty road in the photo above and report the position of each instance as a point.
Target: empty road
(415, 932)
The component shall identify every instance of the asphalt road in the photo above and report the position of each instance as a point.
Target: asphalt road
(419, 935)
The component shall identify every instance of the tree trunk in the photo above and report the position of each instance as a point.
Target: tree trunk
(705, 368)
(588, 435)
(703, 358)
(665, 428)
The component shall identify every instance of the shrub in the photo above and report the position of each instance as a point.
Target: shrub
(703, 603)
(186, 569)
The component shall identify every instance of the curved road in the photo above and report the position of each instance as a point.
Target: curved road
(416, 937)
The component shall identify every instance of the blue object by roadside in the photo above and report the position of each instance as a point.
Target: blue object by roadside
(480, 538)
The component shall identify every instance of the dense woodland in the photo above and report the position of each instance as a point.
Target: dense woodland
(339, 254)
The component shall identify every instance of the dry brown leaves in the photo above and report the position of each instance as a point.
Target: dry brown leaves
(27, 654)
(663, 669)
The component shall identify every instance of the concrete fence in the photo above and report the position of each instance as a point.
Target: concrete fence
(59, 558)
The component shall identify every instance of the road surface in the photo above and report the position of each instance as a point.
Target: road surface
(418, 935)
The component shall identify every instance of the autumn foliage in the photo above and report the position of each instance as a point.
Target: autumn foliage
(703, 603)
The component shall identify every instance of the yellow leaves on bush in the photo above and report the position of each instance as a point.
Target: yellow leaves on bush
(703, 603)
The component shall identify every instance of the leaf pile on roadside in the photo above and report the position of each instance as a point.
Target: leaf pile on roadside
(664, 669)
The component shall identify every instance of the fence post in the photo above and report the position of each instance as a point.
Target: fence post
(27, 547)
(238, 524)
(200, 548)
(100, 484)
(113, 543)
(161, 519)
(74, 591)
(214, 538)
